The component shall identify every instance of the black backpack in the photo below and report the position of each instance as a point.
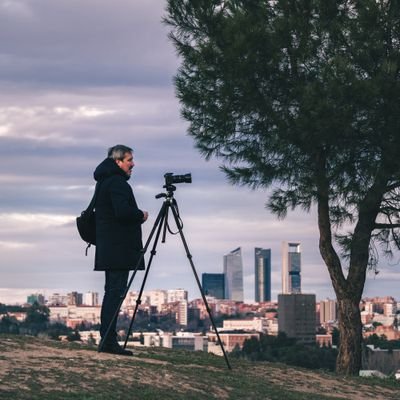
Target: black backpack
(86, 222)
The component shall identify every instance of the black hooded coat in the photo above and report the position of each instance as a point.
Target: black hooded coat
(118, 220)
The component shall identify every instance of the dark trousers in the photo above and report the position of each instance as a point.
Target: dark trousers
(114, 288)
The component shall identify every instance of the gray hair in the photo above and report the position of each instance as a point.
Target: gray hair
(118, 152)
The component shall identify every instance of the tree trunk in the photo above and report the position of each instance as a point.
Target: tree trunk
(348, 291)
(348, 361)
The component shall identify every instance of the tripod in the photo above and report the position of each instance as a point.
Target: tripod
(161, 224)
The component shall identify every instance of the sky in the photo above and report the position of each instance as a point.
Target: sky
(77, 77)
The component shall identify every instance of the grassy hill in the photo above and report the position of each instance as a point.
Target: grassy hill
(33, 368)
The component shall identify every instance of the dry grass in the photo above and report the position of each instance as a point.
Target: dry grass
(32, 368)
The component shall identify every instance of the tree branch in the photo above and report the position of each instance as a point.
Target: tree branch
(386, 226)
(393, 186)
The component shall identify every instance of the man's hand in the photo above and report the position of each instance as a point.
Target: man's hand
(145, 215)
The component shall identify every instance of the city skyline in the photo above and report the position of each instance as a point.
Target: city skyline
(69, 94)
(276, 288)
(156, 297)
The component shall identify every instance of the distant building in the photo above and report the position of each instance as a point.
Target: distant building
(18, 315)
(186, 341)
(193, 312)
(174, 295)
(390, 309)
(157, 298)
(130, 299)
(74, 299)
(91, 299)
(327, 311)
(324, 340)
(35, 298)
(248, 325)
(272, 326)
(182, 317)
(57, 299)
(262, 270)
(230, 340)
(296, 316)
(182, 340)
(383, 319)
(369, 307)
(382, 305)
(389, 332)
(74, 315)
(366, 317)
(213, 285)
(291, 268)
(233, 271)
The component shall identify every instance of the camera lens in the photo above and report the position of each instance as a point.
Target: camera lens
(170, 178)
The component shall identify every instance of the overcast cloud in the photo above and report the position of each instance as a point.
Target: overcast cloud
(77, 77)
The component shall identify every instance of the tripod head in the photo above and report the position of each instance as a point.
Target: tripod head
(170, 192)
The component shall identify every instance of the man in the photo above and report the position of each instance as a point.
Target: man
(118, 236)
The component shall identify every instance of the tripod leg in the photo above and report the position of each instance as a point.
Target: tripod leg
(152, 254)
(189, 256)
(159, 219)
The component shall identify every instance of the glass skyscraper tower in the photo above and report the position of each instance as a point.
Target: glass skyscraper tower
(262, 269)
(233, 271)
(291, 268)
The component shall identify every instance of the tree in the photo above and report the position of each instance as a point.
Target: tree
(57, 329)
(74, 336)
(302, 97)
(280, 348)
(37, 318)
(9, 324)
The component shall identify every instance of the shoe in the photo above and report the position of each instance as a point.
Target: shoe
(115, 349)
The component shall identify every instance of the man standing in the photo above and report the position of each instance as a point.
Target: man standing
(118, 236)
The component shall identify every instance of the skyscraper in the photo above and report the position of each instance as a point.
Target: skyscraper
(214, 285)
(233, 271)
(262, 269)
(291, 268)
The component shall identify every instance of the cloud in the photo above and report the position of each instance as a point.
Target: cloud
(91, 43)
(15, 245)
(32, 221)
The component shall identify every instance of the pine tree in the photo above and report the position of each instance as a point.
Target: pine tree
(302, 97)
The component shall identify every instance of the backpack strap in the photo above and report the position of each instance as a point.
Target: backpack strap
(92, 203)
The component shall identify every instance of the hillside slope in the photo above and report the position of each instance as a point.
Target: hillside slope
(32, 368)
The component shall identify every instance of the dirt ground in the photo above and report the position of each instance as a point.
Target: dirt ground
(51, 365)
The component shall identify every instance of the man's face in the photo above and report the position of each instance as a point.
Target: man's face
(126, 164)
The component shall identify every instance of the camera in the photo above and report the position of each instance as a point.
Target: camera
(170, 178)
